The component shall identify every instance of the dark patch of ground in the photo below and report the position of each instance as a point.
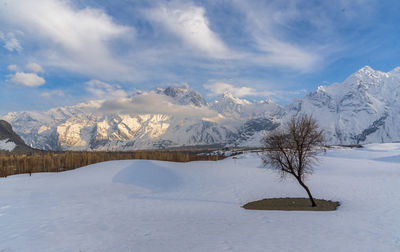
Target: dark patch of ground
(292, 204)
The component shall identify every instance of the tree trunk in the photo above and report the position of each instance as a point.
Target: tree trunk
(313, 204)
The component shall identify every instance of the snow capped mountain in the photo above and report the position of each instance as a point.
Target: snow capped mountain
(43, 129)
(154, 119)
(364, 108)
(242, 110)
(183, 95)
(228, 104)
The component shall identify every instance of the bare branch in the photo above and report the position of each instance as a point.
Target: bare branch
(292, 149)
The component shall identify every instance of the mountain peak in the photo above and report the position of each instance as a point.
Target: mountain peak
(321, 89)
(365, 76)
(369, 72)
(228, 97)
(365, 69)
(226, 103)
(227, 94)
(184, 95)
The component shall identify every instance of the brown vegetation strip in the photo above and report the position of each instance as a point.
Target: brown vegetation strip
(12, 164)
(292, 204)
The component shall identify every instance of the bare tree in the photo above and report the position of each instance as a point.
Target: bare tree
(292, 149)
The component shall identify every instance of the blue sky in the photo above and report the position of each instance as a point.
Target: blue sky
(60, 52)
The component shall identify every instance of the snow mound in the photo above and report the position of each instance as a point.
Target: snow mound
(391, 159)
(148, 175)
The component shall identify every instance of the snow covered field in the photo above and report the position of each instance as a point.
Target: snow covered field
(164, 206)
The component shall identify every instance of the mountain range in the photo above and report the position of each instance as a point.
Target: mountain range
(364, 108)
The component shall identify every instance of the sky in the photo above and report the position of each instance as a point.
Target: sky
(61, 52)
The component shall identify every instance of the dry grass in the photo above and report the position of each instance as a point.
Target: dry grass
(12, 164)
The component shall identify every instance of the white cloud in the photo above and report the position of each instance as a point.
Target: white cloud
(101, 89)
(10, 42)
(217, 88)
(283, 54)
(153, 103)
(76, 39)
(268, 48)
(52, 93)
(27, 79)
(263, 22)
(34, 67)
(190, 24)
(13, 68)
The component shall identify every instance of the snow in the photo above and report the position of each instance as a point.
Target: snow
(364, 108)
(7, 145)
(85, 127)
(165, 206)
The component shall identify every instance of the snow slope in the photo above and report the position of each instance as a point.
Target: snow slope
(7, 145)
(165, 206)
